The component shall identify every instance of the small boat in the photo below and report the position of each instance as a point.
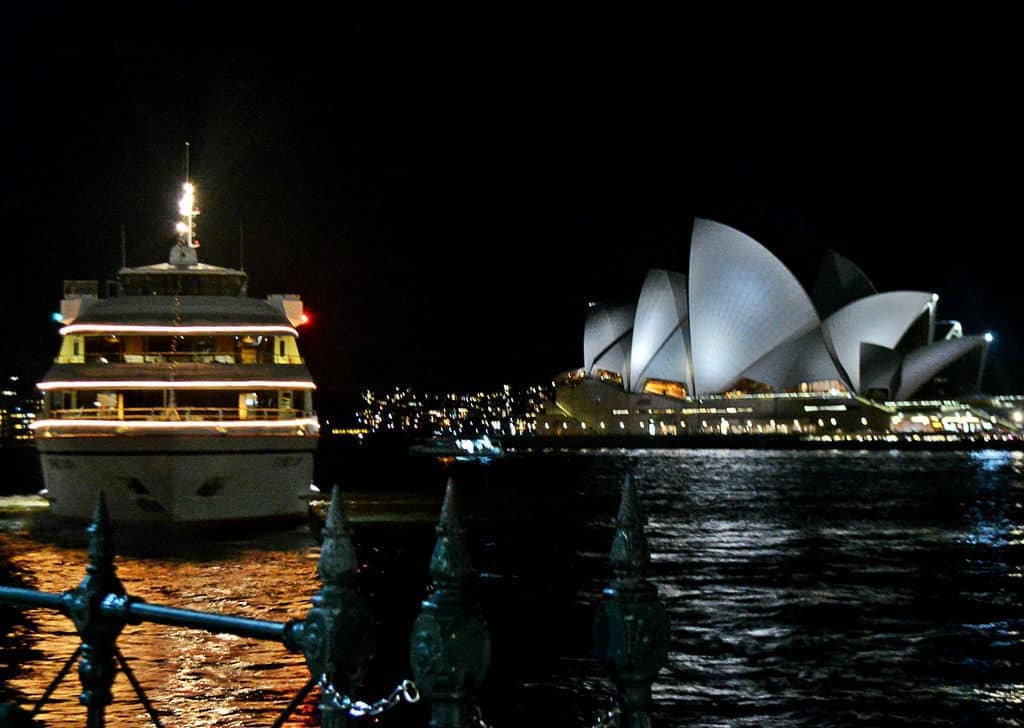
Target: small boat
(461, 448)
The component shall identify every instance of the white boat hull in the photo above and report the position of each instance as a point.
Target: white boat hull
(179, 478)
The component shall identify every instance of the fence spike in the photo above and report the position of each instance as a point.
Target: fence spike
(450, 647)
(630, 555)
(337, 634)
(631, 628)
(97, 665)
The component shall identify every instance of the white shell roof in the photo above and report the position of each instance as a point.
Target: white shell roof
(660, 327)
(920, 365)
(881, 319)
(743, 303)
(741, 314)
(801, 359)
(604, 336)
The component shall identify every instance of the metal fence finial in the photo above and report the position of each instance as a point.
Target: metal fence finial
(631, 629)
(338, 560)
(450, 563)
(630, 555)
(450, 647)
(337, 634)
(97, 665)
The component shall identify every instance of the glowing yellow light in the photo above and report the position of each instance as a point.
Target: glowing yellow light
(185, 204)
(181, 227)
(154, 329)
(197, 384)
(304, 422)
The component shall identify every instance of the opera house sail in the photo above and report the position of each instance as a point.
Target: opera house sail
(738, 345)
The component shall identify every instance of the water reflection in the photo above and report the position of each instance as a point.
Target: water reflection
(804, 588)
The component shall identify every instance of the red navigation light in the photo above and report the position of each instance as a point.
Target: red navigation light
(304, 319)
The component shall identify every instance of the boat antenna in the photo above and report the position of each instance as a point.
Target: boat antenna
(187, 209)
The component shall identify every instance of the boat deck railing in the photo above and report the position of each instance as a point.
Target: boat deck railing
(177, 413)
(198, 357)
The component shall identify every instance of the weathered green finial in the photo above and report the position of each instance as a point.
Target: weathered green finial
(101, 542)
(631, 629)
(450, 648)
(630, 553)
(97, 665)
(337, 554)
(450, 563)
(337, 634)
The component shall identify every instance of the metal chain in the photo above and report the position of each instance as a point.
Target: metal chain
(608, 718)
(405, 690)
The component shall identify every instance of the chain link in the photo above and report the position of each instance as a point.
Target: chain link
(608, 718)
(478, 719)
(405, 690)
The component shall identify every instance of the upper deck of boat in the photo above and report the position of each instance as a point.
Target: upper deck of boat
(185, 310)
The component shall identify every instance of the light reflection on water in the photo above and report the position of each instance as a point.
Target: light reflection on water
(805, 588)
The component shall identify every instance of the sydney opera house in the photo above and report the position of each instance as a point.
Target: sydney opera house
(737, 345)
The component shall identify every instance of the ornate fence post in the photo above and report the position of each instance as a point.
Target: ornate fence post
(97, 666)
(450, 648)
(337, 634)
(631, 629)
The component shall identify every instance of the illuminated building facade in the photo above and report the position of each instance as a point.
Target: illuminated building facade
(738, 345)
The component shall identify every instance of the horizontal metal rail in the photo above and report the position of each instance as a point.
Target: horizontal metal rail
(135, 611)
(32, 598)
(172, 414)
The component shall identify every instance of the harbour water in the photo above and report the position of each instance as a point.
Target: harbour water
(804, 588)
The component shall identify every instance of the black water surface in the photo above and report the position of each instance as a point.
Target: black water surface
(804, 588)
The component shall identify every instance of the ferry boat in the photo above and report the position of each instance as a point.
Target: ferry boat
(179, 396)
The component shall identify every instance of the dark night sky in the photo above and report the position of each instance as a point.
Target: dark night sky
(447, 190)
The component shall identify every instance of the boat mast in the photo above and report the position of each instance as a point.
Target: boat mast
(187, 209)
(188, 192)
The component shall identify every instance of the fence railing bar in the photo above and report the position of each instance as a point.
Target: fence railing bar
(33, 598)
(56, 681)
(296, 701)
(128, 673)
(136, 611)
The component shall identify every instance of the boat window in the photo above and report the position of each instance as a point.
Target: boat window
(104, 349)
